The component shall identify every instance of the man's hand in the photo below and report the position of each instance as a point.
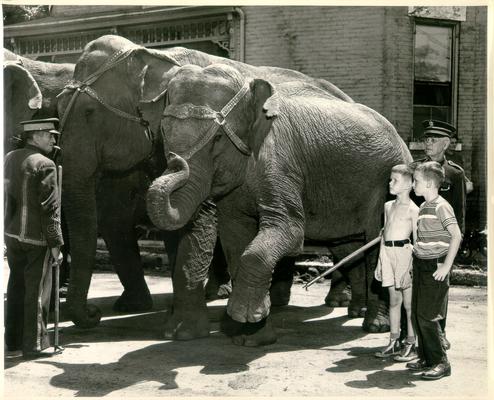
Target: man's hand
(441, 272)
(57, 255)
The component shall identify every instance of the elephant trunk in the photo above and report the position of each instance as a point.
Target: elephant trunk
(173, 198)
(79, 207)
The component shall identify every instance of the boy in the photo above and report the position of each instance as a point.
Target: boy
(438, 240)
(395, 260)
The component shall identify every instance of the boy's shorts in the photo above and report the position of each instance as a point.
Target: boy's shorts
(393, 265)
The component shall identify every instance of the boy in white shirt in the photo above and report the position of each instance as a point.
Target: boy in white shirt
(395, 260)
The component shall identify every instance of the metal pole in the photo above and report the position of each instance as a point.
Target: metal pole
(345, 260)
(57, 271)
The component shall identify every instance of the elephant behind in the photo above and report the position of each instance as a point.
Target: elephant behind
(30, 90)
(318, 170)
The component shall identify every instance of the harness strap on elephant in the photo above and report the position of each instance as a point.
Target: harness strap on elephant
(188, 110)
(84, 87)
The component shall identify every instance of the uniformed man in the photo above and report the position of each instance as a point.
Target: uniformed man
(436, 138)
(33, 237)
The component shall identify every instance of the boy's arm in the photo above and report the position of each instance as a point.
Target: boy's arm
(444, 268)
(415, 216)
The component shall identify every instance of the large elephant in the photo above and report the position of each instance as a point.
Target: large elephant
(30, 91)
(104, 133)
(318, 170)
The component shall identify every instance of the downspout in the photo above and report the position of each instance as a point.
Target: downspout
(241, 14)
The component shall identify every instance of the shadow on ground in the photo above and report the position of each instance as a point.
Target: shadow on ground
(298, 328)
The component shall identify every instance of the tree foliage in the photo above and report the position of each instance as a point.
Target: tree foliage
(13, 14)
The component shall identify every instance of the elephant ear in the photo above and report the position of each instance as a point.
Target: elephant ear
(154, 68)
(266, 106)
(22, 85)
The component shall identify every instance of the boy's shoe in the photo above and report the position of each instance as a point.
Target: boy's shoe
(419, 365)
(408, 353)
(391, 349)
(438, 371)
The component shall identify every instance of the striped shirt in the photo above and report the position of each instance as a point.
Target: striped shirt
(433, 238)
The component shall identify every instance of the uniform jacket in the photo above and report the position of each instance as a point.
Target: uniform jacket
(31, 201)
(453, 189)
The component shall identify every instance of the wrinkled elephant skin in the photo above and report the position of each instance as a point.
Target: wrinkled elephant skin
(98, 142)
(319, 171)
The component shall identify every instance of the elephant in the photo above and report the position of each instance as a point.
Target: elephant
(284, 162)
(30, 89)
(109, 131)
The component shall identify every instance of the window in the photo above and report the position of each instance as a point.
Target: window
(434, 94)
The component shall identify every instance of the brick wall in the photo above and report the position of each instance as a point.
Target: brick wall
(472, 95)
(340, 44)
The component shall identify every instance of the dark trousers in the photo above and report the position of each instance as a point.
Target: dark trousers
(28, 296)
(429, 304)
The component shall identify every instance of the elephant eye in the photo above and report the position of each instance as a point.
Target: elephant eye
(88, 112)
(216, 138)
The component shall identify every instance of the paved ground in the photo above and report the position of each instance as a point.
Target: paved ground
(319, 353)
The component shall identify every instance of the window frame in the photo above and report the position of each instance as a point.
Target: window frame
(455, 25)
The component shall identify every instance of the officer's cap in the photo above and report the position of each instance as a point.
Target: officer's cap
(47, 124)
(437, 128)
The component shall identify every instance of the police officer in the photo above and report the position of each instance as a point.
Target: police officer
(436, 138)
(33, 237)
(437, 135)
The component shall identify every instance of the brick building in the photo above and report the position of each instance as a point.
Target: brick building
(408, 63)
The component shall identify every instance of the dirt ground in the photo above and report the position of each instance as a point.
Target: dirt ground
(320, 352)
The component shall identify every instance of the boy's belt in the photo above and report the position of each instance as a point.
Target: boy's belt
(396, 243)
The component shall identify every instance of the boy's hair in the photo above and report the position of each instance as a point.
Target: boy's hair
(432, 170)
(403, 170)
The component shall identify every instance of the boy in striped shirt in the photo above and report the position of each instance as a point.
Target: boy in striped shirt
(438, 240)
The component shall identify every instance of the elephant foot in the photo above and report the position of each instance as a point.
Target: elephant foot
(86, 318)
(133, 302)
(339, 296)
(356, 311)
(249, 334)
(279, 293)
(187, 326)
(376, 319)
(218, 292)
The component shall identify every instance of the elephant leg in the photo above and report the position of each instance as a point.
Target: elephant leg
(219, 285)
(282, 281)
(117, 203)
(340, 292)
(355, 272)
(194, 252)
(250, 303)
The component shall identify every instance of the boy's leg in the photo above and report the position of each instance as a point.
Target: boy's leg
(421, 363)
(395, 301)
(407, 304)
(408, 351)
(431, 305)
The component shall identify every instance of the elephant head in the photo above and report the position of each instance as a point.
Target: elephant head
(105, 128)
(30, 90)
(213, 120)
(22, 98)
